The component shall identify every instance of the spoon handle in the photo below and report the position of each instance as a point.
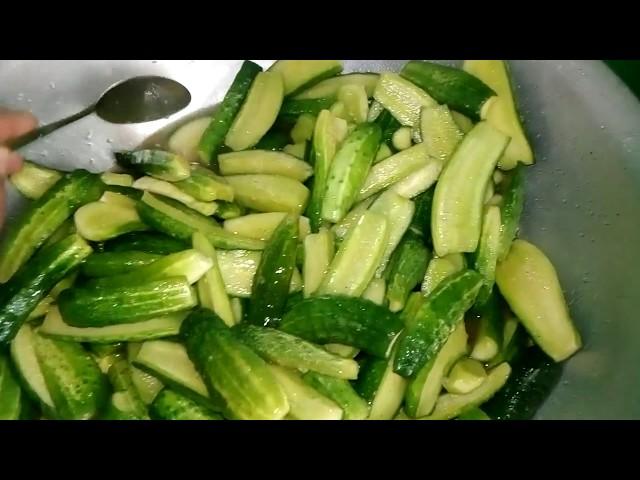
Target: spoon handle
(27, 138)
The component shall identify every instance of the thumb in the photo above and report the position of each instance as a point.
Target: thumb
(10, 162)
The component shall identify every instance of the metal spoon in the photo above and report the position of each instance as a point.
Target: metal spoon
(136, 100)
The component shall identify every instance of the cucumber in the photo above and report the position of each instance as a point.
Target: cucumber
(289, 351)
(238, 269)
(486, 257)
(258, 112)
(273, 277)
(354, 98)
(533, 378)
(382, 387)
(117, 179)
(456, 218)
(45, 304)
(515, 342)
(185, 139)
(344, 351)
(439, 269)
(512, 190)
(344, 226)
(211, 289)
(427, 331)
(114, 305)
(269, 193)
(32, 180)
(121, 407)
(100, 221)
(78, 388)
(67, 228)
(439, 132)
(529, 283)
(401, 98)
(473, 414)
(147, 385)
(231, 369)
(23, 355)
(419, 181)
(214, 136)
(264, 162)
(105, 355)
(147, 242)
(341, 392)
(489, 335)
(121, 196)
(302, 131)
(31, 284)
(205, 186)
(120, 376)
(394, 169)
(328, 133)
(365, 245)
(503, 113)
(406, 269)
(298, 75)
(454, 87)
(451, 405)
(293, 109)
(318, 253)
(107, 264)
(166, 326)
(236, 306)
(349, 170)
(157, 163)
(421, 221)
(465, 124)
(176, 220)
(305, 403)
(262, 225)
(388, 124)
(329, 88)
(171, 405)
(465, 376)
(350, 321)
(170, 190)
(41, 219)
(190, 264)
(228, 210)
(299, 151)
(376, 291)
(10, 392)
(384, 152)
(423, 389)
(398, 211)
(402, 138)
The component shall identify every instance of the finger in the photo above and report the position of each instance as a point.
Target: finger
(10, 162)
(14, 124)
(2, 200)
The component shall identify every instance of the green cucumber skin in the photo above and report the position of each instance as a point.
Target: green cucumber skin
(99, 307)
(349, 170)
(10, 392)
(512, 189)
(490, 320)
(213, 137)
(532, 379)
(372, 371)
(388, 125)
(291, 109)
(289, 351)
(512, 349)
(425, 333)
(108, 264)
(43, 217)
(156, 163)
(232, 370)
(20, 296)
(346, 320)
(406, 269)
(273, 277)
(147, 242)
(474, 414)
(120, 376)
(275, 140)
(132, 193)
(77, 386)
(421, 222)
(171, 405)
(341, 392)
(454, 87)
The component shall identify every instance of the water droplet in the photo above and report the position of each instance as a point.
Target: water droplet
(602, 127)
(581, 234)
(109, 140)
(154, 61)
(564, 200)
(52, 85)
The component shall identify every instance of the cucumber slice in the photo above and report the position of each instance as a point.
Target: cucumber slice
(454, 87)
(206, 186)
(401, 98)
(464, 123)
(406, 269)
(512, 189)
(298, 75)
(341, 392)
(157, 163)
(402, 138)
(465, 376)
(148, 242)
(32, 180)
(384, 152)
(171, 405)
(43, 217)
(473, 414)
(166, 326)
(67, 228)
(305, 403)
(269, 193)
(490, 330)
(100, 221)
(419, 181)
(167, 189)
(185, 140)
(107, 264)
(121, 380)
(342, 228)
(176, 220)
(366, 242)
(289, 351)
(439, 132)
(258, 112)
(117, 179)
(45, 304)
(302, 131)
(355, 101)
(147, 385)
(262, 225)
(318, 253)
(228, 210)
(382, 387)
(10, 392)
(393, 169)
(439, 269)
(344, 351)
(529, 283)
(457, 203)
(503, 113)
(297, 150)
(398, 211)
(293, 109)
(376, 290)
(329, 88)
(486, 258)
(421, 222)
(264, 162)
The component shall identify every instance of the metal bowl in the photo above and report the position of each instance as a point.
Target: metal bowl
(582, 204)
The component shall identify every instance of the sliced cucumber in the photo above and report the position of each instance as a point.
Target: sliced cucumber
(402, 138)
(375, 291)
(464, 123)
(293, 109)
(318, 254)
(107, 264)
(298, 75)
(171, 405)
(10, 392)
(344, 351)
(421, 222)
(419, 181)
(185, 140)
(264, 162)
(342, 228)
(329, 88)
(117, 179)
(45, 304)
(382, 387)
(262, 225)
(100, 221)
(302, 131)
(228, 210)
(439, 132)
(269, 193)
(486, 258)
(157, 163)
(440, 268)
(147, 385)
(147, 242)
(356, 104)
(401, 98)
(32, 180)
(465, 376)
(384, 152)
(206, 186)
(167, 189)
(512, 189)
(341, 392)
(297, 150)
(490, 330)
(406, 269)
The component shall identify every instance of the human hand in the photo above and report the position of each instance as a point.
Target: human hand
(12, 125)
